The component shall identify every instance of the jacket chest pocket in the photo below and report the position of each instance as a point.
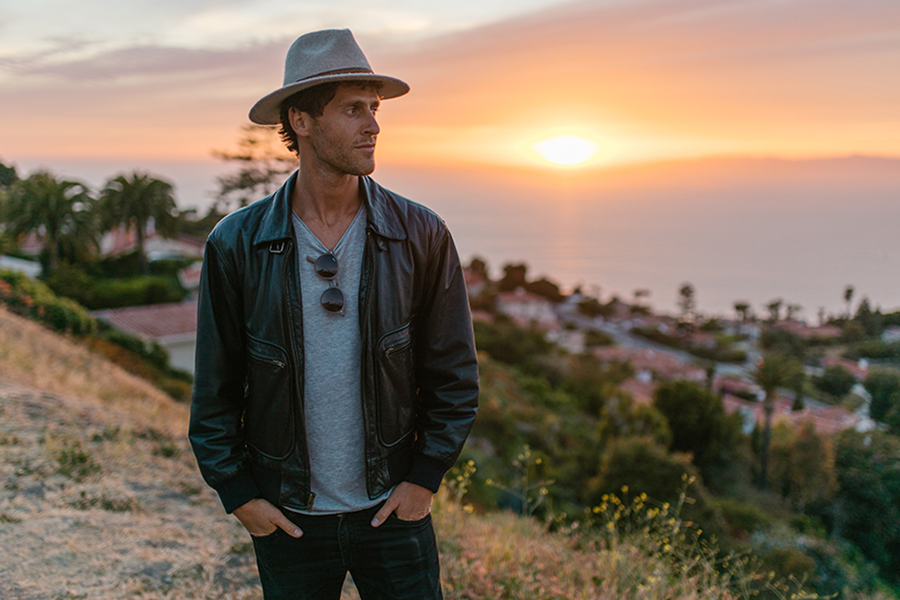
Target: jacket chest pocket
(395, 371)
(267, 419)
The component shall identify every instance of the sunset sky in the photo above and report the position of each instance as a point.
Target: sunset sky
(93, 88)
(643, 80)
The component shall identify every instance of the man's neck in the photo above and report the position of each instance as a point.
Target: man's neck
(325, 198)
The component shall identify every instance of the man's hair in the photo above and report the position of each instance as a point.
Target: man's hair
(313, 101)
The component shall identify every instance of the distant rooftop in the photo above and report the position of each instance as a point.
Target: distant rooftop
(159, 322)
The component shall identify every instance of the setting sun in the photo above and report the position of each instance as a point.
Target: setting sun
(566, 150)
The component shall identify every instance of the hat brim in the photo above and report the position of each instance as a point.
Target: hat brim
(268, 110)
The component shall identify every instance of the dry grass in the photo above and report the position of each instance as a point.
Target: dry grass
(505, 556)
(38, 358)
(101, 499)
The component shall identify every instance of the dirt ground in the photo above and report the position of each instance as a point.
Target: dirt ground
(96, 504)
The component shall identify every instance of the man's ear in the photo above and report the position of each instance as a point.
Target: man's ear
(300, 121)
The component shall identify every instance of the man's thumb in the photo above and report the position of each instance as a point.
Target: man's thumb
(382, 514)
(288, 526)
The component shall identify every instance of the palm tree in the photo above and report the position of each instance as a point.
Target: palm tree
(772, 372)
(132, 201)
(59, 212)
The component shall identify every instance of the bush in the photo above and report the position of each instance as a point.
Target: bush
(35, 300)
(884, 386)
(741, 518)
(836, 380)
(641, 466)
(877, 349)
(508, 343)
(137, 291)
(593, 338)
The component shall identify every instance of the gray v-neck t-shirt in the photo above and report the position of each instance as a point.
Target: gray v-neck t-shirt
(332, 349)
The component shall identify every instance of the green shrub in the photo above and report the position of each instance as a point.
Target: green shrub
(836, 380)
(741, 518)
(137, 291)
(35, 300)
(877, 349)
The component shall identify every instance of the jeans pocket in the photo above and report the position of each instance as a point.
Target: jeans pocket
(267, 536)
(418, 522)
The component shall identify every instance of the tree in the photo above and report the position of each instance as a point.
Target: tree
(545, 288)
(133, 201)
(884, 386)
(8, 176)
(774, 308)
(848, 297)
(642, 466)
(478, 267)
(792, 311)
(264, 161)
(640, 295)
(513, 277)
(699, 426)
(58, 212)
(772, 372)
(686, 301)
(867, 511)
(802, 464)
(742, 308)
(871, 321)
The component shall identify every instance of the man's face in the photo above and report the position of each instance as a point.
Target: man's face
(343, 137)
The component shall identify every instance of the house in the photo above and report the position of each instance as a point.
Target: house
(526, 308)
(891, 334)
(189, 277)
(660, 365)
(122, 241)
(859, 368)
(172, 326)
(651, 368)
(475, 282)
(30, 268)
(801, 330)
(827, 420)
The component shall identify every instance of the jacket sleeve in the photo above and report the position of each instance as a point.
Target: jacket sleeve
(446, 367)
(217, 404)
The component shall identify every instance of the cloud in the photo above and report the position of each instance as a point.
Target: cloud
(769, 76)
(670, 77)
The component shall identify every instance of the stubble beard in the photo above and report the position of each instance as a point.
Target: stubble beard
(339, 158)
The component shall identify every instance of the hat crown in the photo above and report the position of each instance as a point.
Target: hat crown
(321, 52)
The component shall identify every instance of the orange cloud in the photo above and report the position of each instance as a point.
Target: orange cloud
(647, 81)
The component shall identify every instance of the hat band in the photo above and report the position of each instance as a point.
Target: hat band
(335, 72)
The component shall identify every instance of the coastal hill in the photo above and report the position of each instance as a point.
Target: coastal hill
(101, 499)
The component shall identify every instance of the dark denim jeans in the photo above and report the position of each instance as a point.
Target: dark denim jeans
(396, 561)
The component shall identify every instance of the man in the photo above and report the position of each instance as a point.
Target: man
(336, 378)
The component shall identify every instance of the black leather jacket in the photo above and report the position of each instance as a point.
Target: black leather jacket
(419, 371)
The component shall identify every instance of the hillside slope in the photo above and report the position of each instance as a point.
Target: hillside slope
(101, 499)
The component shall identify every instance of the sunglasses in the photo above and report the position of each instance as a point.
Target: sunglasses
(326, 266)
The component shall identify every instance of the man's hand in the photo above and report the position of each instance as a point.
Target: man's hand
(410, 502)
(260, 518)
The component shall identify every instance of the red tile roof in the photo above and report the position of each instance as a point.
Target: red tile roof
(157, 321)
(826, 420)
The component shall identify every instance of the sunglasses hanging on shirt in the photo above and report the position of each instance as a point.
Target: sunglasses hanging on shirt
(326, 266)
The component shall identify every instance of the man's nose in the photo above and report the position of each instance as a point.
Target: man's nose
(371, 126)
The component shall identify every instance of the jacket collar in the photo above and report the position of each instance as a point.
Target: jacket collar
(384, 215)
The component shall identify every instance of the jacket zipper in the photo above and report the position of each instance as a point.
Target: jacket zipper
(286, 279)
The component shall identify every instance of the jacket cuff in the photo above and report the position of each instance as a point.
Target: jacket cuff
(426, 471)
(237, 491)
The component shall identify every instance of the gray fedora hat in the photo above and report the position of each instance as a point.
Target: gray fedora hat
(322, 57)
